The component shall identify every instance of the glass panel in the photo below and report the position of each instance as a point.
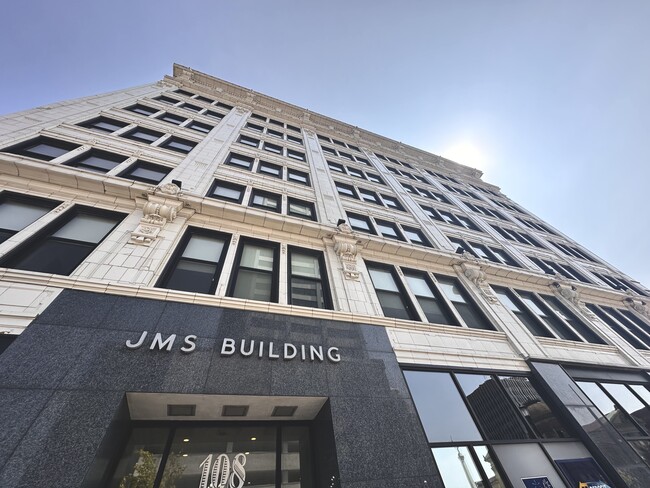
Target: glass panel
(48, 150)
(257, 257)
(204, 248)
(457, 467)
(52, 256)
(436, 397)
(581, 328)
(616, 416)
(450, 289)
(393, 305)
(642, 448)
(192, 276)
(141, 458)
(521, 461)
(253, 285)
(148, 174)
(227, 192)
(468, 311)
(86, 228)
(383, 279)
(146, 136)
(179, 145)
(534, 410)
(358, 223)
(300, 209)
(307, 293)
(642, 391)
(99, 163)
(295, 458)
(418, 285)
(305, 265)
(492, 408)
(387, 230)
(16, 215)
(630, 403)
(270, 202)
(204, 456)
(485, 459)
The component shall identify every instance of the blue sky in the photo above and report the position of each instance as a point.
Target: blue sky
(550, 99)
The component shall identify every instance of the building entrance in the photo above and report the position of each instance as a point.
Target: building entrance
(209, 455)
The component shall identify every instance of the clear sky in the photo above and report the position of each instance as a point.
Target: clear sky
(551, 99)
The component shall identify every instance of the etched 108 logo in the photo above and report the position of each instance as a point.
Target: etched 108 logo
(219, 472)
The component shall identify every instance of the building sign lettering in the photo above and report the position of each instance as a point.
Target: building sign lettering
(222, 473)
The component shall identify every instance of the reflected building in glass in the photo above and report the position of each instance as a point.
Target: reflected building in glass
(202, 286)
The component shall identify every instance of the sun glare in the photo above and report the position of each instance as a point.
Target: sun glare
(467, 153)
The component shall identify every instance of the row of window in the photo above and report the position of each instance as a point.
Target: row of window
(421, 192)
(200, 98)
(337, 142)
(507, 206)
(554, 268)
(536, 226)
(484, 190)
(390, 230)
(460, 191)
(357, 173)
(330, 151)
(406, 174)
(272, 148)
(277, 123)
(366, 195)
(486, 211)
(620, 283)
(95, 160)
(441, 176)
(274, 133)
(624, 323)
(517, 236)
(264, 200)
(482, 251)
(450, 218)
(269, 169)
(110, 125)
(148, 111)
(393, 160)
(572, 251)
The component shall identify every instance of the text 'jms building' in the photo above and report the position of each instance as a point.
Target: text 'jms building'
(202, 286)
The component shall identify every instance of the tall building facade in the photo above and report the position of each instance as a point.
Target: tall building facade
(203, 286)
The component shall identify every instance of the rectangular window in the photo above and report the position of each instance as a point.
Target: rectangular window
(298, 208)
(389, 229)
(356, 173)
(224, 106)
(300, 177)
(61, 246)
(145, 172)
(300, 156)
(307, 279)
(164, 99)
(214, 115)
(275, 133)
(369, 196)
(392, 202)
(204, 99)
(293, 128)
(44, 148)
(227, 191)
(375, 178)
(240, 161)
(433, 305)
(193, 108)
(255, 127)
(272, 148)
(248, 141)
(18, 211)
(336, 167)
(255, 276)
(171, 118)
(265, 200)
(392, 296)
(178, 144)
(142, 109)
(416, 236)
(269, 169)
(295, 139)
(361, 223)
(98, 161)
(467, 309)
(346, 190)
(143, 135)
(200, 127)
(362, 160)
(329, 150)
(104, 124)
(197, 262)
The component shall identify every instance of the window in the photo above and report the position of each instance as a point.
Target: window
(300, 156)
(491, 253)
(369, 196)
(193, 108)
(178, 144)
(142, 109)
(346, 190)
(329, 150)
(435, 308)
(293, 128)
(62, 245)
(204, 99)
(197, 262)
(298, 208)
(227, 191)
(184, 93)
(275, 133)
(200, 127)
(295, 139)
(628, 326)
(258, 117)
(360, 223)
(98, 161)
(416, 236)
(18, 211)
(104, 124)
(146, 172)
(467, 309)
(392, 297)
(389, 229)
(248, 141)
(172, 118)
(269, 169)
(265, 200)
(214, 115)
(276, 122)
(356, 173)
(362, 160)
(450, 218)
(375, 178)
(165, 99)
(43, 148)
(619, 283)
(240, 161)
(296, 176)
(143, 135)
(255, 127)
(273, 148)
(553, 268)
(339, 168)
(255, 277)
(307, 279)
(392, 202)
(224, 106)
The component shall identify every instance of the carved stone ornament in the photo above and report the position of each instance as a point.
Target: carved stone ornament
(162, 206)
(476, 275)
(637, 305)
(347, 248)
(570, 293)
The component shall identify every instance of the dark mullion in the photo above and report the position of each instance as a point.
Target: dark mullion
(165, 456)
(278, 457)
(623, 411)
(479, 427)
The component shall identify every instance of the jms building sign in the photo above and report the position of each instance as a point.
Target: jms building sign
(245, 347)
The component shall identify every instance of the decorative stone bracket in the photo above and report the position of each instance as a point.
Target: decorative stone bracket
(346, 248)
(162, 206)
(572, 294)
(637, 305)
(473, 272)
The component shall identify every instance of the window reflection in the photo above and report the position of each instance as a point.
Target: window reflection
(141, 459)
(611, 411)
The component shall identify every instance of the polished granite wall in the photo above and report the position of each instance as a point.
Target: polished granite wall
(63, 381)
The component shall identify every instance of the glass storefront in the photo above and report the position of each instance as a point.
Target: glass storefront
(215, 456)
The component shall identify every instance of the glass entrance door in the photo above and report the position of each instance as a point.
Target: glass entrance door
(216, 456)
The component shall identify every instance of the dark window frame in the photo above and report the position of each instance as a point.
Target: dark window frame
(236, 267)
(227, 184)
(324, 281)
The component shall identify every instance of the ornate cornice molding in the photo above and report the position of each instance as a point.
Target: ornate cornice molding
(162, 206)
